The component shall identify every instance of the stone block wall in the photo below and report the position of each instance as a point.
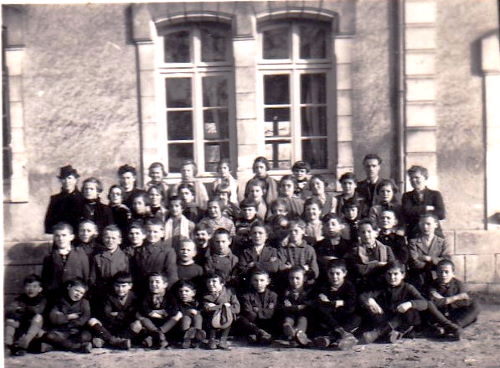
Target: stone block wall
(476, 254)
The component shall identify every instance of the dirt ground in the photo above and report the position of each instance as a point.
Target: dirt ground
(479, 347)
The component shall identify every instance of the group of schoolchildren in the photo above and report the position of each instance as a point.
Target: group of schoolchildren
(290, 264)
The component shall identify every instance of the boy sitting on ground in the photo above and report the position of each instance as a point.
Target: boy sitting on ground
(449, 295)
(24, 316)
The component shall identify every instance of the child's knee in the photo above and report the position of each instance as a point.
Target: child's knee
(37, 320)
(12, 323)
(94, 321)
(136, 327)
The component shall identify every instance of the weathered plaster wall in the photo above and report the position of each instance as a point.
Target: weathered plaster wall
(80, 102)
(461, 151)
(372, 126)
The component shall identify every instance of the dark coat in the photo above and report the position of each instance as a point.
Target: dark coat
(55, 272)
(167, 304)
(414, 207)
(157, 257)
(105, 265)
(296, 299)
(267, 260)
(390, 297)
(128, 197)
(454, 287)
(98, 212)
(398, 245)
(126, 312)
(366, 189)
(346, 292)
(261, 305)
(226, 296)
(58, 316)
(64, 207)
(24, 307)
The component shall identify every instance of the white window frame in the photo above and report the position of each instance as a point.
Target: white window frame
(295, 67)
(196, 70)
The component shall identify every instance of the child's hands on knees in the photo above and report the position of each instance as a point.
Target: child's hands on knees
(404, 307)
(323, 298)
(374, 307)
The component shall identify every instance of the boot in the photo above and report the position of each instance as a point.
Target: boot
(189, 335)
(371, 336)
(120, 343)
(302, 338)
(321, 342)
(347, 339)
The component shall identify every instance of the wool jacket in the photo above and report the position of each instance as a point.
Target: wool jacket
(105, 265)
(390, 297)
(25, 307)
(261, 304)
(346, 292)
(58, 316)
(366, 259)
(437, 250)
(56, 271)
(267, 260)
(398, 245)
(126, 310)
(454, 287)
(157, 257)
(298, 255)
(226, 296)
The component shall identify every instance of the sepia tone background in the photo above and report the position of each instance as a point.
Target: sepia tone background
(416, 81)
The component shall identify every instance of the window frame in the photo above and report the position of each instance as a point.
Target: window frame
(295, 67)
(196, 70)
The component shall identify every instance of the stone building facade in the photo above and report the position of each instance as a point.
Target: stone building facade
(99, 85)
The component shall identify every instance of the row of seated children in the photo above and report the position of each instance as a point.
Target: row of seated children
(292, 267)
(358, 199)
(332, 314)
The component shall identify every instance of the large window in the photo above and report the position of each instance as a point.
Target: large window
(197, 78)
(295, 65)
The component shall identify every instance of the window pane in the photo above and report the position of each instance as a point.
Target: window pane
(214, 43)
(276, 89)
(177, 47)
(313, 88)
(279, 154)
(180, 125)
(312, 42)
(214, 91)
(177, 153)
(313, 121)
(315, 152)
(216, 124)
(178, 92)
(277, 122)
(214, 152)
(276, 43)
